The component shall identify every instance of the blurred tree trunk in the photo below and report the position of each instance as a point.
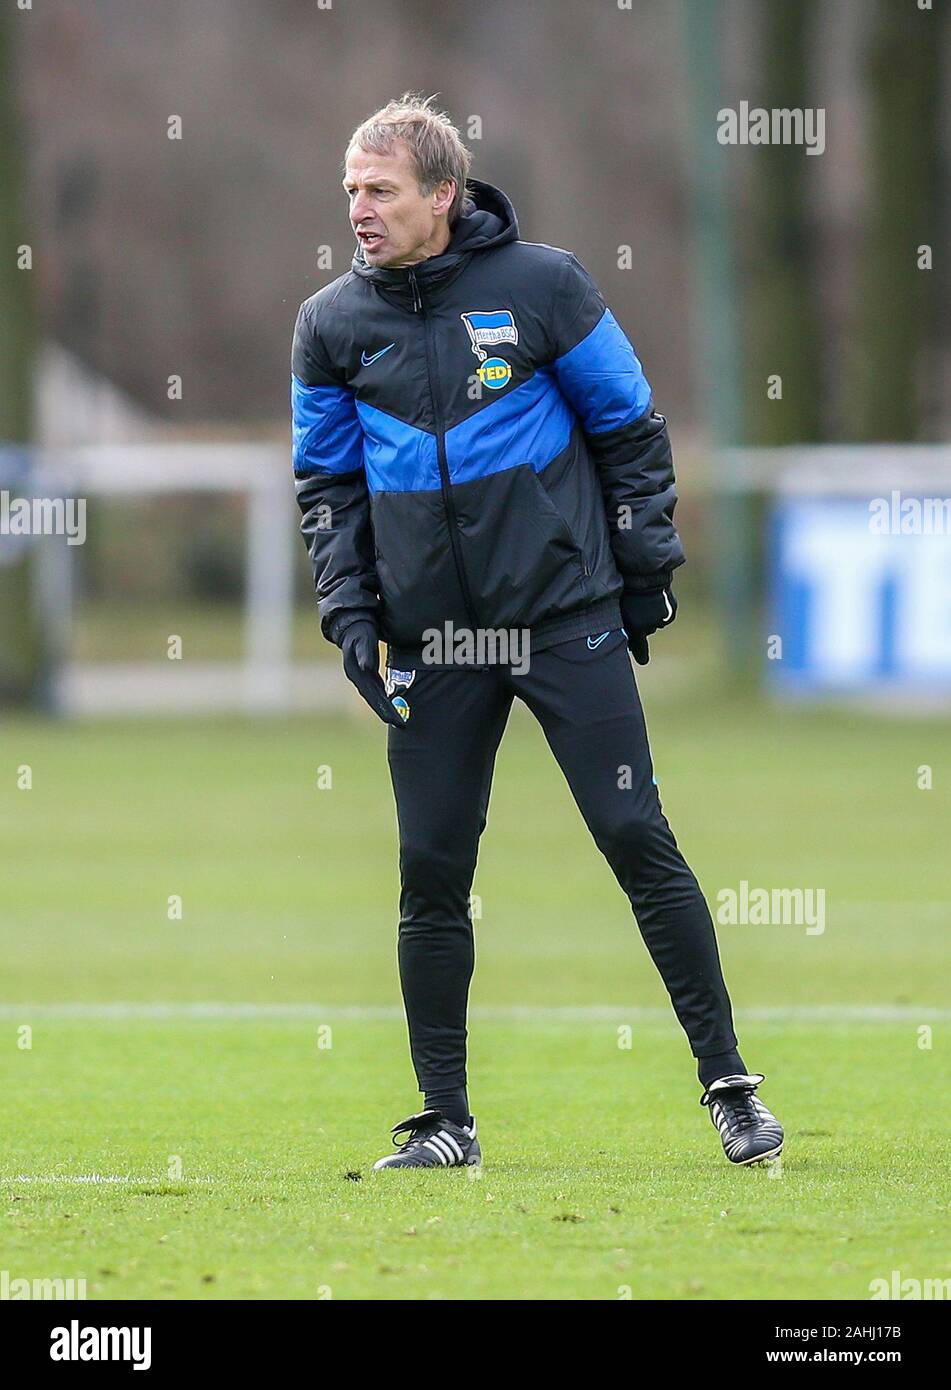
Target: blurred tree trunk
(782, 314)
(898, 318)
(20, 646)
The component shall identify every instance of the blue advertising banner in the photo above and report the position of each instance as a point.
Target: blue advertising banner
(860, 594)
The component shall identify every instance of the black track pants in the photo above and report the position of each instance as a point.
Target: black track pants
(441, 765)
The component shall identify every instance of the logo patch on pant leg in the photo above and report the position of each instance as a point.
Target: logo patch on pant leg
(396, 679)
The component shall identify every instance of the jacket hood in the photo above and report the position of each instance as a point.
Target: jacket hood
(490, 223)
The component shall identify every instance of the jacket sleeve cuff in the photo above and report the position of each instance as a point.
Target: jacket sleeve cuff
(335, 628)
(641, 583)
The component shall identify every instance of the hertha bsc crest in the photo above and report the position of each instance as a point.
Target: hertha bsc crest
(396, 678)
(488, 327)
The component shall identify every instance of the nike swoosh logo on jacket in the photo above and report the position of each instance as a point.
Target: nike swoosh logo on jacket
(368, 361)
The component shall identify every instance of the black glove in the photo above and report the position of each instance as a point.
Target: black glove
(644, 611)
(360, 645)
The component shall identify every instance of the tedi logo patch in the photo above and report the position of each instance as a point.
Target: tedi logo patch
(488, 328)
(75, 1343)
(495, 373)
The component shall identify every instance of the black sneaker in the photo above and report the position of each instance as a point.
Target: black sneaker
(750, 1133)
(434, 1142)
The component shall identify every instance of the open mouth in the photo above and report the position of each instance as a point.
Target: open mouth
(369, 240)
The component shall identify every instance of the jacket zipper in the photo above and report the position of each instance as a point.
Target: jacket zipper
(445, 487)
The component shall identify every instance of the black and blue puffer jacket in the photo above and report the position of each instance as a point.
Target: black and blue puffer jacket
(474, 444)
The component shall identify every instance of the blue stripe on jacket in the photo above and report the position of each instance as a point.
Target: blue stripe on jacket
(603, 379)
(334, 433)
(399, 457)
(529, 425)
(325, 430)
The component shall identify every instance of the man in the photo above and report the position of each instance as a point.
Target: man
(481, 476)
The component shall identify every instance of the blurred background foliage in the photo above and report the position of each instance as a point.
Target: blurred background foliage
(155, 257)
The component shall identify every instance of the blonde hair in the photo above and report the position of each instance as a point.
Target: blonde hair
(435, 145)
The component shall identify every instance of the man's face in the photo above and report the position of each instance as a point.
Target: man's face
(395, 224)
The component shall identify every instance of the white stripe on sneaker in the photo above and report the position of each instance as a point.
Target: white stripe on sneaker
(434, 1143)
(443, 1134)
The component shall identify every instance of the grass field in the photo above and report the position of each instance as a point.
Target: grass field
(233, 1145)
